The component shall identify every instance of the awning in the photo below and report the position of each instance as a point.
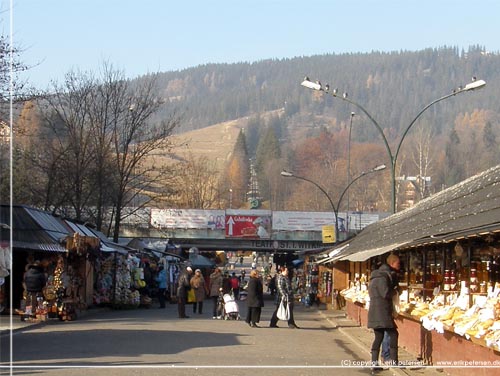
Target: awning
(334, 254)
(365, 255)
(106, 248)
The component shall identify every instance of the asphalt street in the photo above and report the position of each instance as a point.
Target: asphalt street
(154, 341)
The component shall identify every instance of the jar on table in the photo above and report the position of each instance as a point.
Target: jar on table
(447, 280)
(473, 282)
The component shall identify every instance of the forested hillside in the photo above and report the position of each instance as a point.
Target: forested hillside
(393, 87)
(452, 140)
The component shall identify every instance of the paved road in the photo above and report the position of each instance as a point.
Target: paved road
(154, 341)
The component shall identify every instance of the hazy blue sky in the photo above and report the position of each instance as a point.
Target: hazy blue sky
(162, 35)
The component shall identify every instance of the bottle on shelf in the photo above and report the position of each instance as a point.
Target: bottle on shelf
(447, 280)
(473, 281)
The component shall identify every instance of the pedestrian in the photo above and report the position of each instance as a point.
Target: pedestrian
(161, 279)
(198, 285)
(272, 285)
(383, 285)
(285, 290)
(214, 286)
(183, 286)
(235, 286)
(255, 299)
(226, 283)
(34, 281)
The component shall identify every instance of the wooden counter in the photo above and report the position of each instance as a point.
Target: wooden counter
(435, 348)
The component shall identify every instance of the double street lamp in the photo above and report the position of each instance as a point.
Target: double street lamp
(335, 208)
(474, 85)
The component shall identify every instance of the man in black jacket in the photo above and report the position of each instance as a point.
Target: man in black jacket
(383, 285)
(34, 281)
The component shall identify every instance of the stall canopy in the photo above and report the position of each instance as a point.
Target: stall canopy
(333, 255)
(465, 210)
(34, 229)
(200, 262)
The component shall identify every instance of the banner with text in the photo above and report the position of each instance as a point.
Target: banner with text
(248, 223)
(188, 219)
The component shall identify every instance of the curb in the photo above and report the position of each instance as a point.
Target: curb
(359, 344)
(18, 325)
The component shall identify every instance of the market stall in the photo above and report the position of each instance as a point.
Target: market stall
(449, 246)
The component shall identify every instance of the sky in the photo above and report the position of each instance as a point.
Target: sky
(147, 36)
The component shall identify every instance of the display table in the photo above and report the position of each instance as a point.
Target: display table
(435, 348)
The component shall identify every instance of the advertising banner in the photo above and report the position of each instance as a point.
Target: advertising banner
(187, 219)
(301, 221)
(248, 224)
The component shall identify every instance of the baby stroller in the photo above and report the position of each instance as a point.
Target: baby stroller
(231, 311)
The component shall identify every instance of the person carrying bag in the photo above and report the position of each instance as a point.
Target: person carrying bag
(283, 312)
(284, 300)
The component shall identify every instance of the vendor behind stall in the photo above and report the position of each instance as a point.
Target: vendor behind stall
(34, 280)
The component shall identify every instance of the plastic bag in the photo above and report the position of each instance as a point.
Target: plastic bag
(283, 310)
(191, 297)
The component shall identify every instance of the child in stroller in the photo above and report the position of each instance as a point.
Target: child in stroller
(227, 308)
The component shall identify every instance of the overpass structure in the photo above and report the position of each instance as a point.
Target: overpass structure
(242, 229)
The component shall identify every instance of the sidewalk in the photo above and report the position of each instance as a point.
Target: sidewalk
(363, 337)
(6, 324)
(17, 324)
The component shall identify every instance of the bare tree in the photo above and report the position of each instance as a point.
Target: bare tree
(10, 86)
(100, 149)
(134, 138)
(423, 157)
(71, 146)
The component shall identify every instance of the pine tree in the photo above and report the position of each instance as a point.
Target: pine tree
(455, 172)
(238, 171)
(268, 151)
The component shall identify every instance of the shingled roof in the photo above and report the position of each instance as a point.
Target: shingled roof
(33, 229)
(468, 209)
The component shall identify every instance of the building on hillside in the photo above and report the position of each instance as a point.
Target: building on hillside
(414, 189)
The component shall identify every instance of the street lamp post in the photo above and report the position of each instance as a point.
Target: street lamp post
(474, 85)
(349, 170)
(335, 208)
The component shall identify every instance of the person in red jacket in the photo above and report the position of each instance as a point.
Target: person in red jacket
(235, 286)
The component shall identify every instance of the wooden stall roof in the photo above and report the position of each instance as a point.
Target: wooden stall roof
(468, 209)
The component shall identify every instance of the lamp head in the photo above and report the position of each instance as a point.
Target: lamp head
(474, 85)
(380, 168)
(286, 174)
(312, 85)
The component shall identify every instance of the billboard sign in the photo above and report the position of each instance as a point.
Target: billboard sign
(250, 224)
(188, 219)
(301, 221)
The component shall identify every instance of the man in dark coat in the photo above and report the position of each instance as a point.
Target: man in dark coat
(255, 299)
(34, 281)
(183, 285)
(383, 285)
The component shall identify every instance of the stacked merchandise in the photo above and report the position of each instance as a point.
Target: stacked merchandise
(103, 290)
(114, 282)
(480, 322)
(124, 296)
